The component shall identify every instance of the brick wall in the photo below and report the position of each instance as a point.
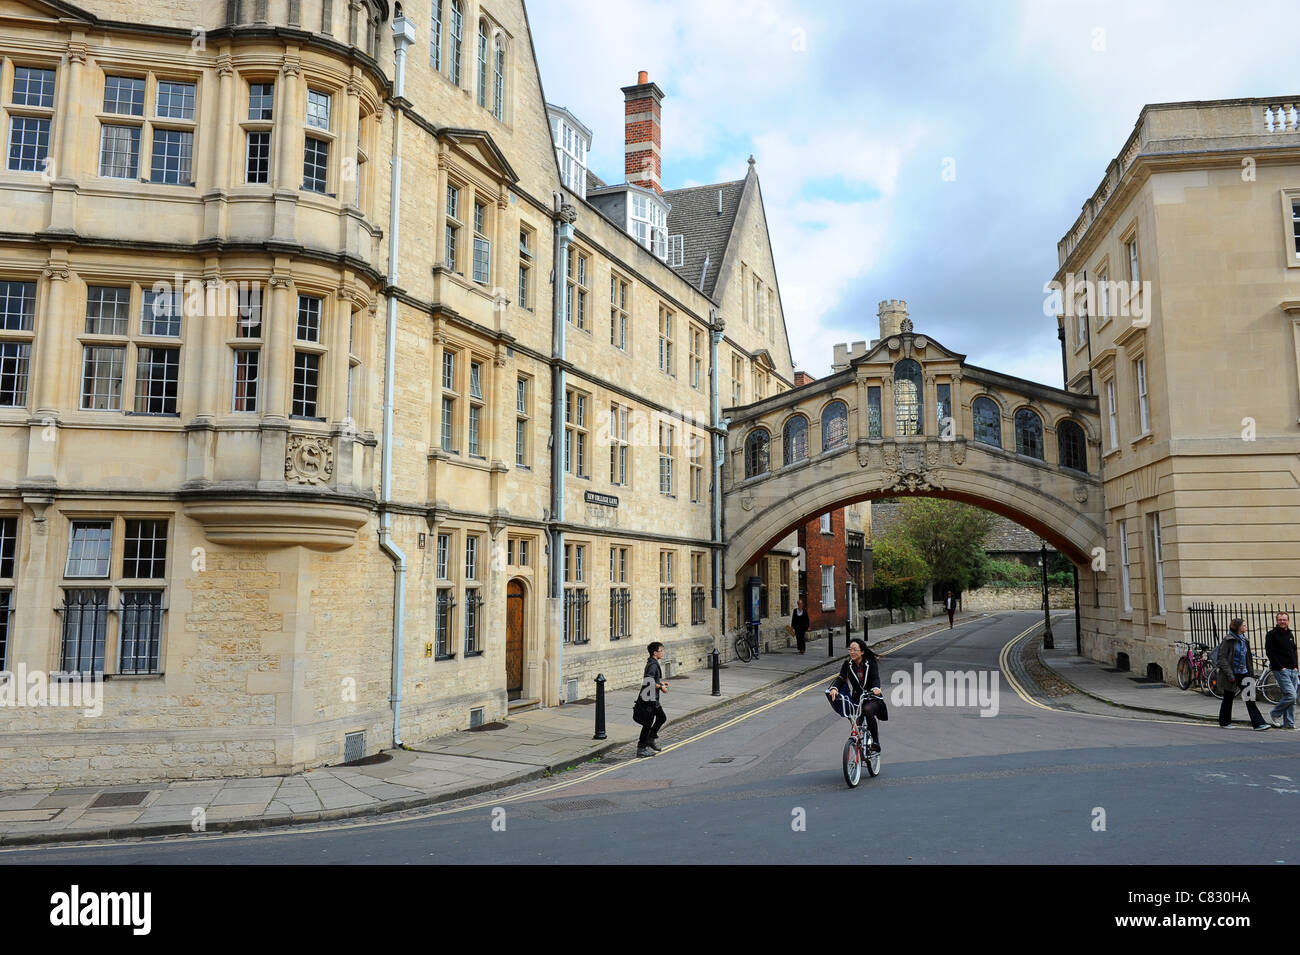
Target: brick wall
(822, 550)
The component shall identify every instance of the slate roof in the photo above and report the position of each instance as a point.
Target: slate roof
(594, 181)
(694, 214)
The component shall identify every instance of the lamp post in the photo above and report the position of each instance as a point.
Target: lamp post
(1048, 642)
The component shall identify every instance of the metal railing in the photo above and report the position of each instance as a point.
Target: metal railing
(1208, 623)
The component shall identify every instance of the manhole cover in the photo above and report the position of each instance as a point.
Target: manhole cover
(370, 760)
(723, 759)
(496, 725)
(109, 800)
(578, 805)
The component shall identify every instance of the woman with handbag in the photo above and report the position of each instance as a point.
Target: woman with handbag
(647, 711)
(1235, 664)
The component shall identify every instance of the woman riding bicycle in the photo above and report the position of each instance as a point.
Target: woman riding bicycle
(860, 672)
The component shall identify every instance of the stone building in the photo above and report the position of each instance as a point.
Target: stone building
(1178, 305)
(246, 240)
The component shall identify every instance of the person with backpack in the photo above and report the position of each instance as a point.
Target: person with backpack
(1236, 664)
(648, 712)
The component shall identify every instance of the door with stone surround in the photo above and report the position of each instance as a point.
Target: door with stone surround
(515, 640)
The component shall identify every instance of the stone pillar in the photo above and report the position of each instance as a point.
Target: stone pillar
(930, 426)
(277, 331)
(214, 324)
(440, 202)
(860, 425)
(218, 173)
(53, 361)
(347, 145)
(338, 357)
(288, 135)
(69, 127)
(887, 426)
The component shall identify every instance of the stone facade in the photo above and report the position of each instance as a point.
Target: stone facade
(1179, 294)
(255, 490)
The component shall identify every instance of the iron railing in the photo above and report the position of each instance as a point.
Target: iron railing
(1208, 624)
(575, 616)
(667, 606)
(85, 624)
(620, 613)
(141, 636)
(697, 605)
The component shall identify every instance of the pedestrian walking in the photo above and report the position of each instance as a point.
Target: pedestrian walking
(652, 684)
(799, 624)
(950, 605)
(1236, 664)
(1279, 644)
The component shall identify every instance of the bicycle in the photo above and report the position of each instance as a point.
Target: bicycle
(1195, 666)
(857, 746)
(747, 643)
(1266, 687)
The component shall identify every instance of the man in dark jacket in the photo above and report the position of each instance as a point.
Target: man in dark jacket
(652, 684)
(1236, 664)
(799, 624)
(1281, 650)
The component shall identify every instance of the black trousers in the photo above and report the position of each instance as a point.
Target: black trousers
(869, 710)
(1225, 710)
(651, 729)
(801, 639)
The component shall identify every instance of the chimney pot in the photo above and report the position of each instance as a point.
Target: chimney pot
(642, 77)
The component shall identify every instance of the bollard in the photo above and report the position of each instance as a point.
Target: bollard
(846, 636)
(717, 685)
(830, 642)
(600, 706)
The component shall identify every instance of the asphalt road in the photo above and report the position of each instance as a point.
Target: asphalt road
(761, 782)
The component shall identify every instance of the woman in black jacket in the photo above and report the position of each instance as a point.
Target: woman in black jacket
(860, 673)
(799, 624)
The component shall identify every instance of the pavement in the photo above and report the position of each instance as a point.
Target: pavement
(1133, 691)
(530, 745)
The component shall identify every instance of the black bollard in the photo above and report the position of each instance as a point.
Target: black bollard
(830, 642)
(717, 685)
(600, 706)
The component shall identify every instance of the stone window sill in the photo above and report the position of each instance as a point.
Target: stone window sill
(1144, 436)
(1111, 453)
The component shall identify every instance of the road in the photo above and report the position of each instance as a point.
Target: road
(1058, 779)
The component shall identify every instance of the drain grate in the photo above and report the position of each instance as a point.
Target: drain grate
(723, 759)
(354, 746)
(112, 800)
(578, 805)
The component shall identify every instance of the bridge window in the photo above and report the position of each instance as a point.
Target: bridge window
(988, 421)
(908, 401)
(943, 404)
(1072, 448)
(794, 442)
(874, 429)
(1029, 434)
(835, 426)
(756, 448)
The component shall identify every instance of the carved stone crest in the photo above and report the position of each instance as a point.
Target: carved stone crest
(911, 467)
(1081, 493)
(747, 502)
(308, 459)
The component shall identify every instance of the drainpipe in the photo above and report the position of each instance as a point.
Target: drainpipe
(715, 419)
(564, 217)
(403, 36)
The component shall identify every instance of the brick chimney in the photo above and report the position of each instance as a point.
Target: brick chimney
(802, 378)
(642, 163)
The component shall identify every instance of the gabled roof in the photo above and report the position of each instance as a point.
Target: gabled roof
(705, 232)
(594, 181)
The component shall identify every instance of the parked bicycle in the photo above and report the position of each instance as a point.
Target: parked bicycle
(857, 746)
(1195, 666)
(747, 643)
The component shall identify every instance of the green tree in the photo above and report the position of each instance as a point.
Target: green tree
(949, 536)
(900, 572)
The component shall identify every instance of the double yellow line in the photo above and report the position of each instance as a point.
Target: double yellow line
(1004, 664)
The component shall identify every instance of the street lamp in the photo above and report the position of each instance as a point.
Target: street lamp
(1048, 642)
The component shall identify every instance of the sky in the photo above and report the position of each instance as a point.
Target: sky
(933, 152)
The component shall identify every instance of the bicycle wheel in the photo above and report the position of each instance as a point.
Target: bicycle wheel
(1184, 673)
(1213, 685)
(873, 764)
(743, 650)
(852, 762)
(1269, 689)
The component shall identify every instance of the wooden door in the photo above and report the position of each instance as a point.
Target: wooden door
(514, 640)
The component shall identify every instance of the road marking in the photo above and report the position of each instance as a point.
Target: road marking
(1004, 664)
(554, 787)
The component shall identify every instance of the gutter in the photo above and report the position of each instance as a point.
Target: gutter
(564, 217)
(403, 36)
(717, 442)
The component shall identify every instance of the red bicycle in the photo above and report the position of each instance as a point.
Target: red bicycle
(857, 748)
(1196, 667)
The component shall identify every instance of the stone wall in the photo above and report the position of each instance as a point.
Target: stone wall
(1014, 598)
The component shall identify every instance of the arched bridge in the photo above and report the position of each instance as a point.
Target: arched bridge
(909, 417)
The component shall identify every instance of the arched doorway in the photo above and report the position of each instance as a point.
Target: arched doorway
(515, 602)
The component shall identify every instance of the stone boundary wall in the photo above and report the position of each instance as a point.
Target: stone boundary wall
(1015, 598)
